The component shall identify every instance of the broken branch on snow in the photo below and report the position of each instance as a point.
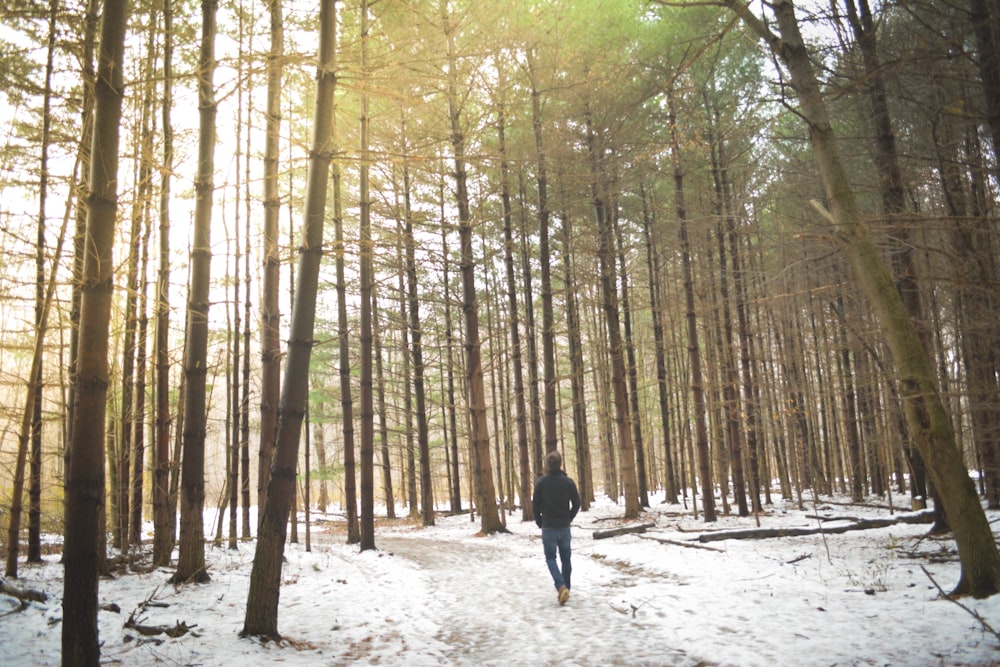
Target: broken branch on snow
(675, 543)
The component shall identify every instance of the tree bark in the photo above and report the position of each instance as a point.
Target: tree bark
(530, 335)
(514, 324)
(489, 517)
(416, 351)
(163, 521)
(584, 468)
(35, 468)
(133, 418)
(344, 362)
(191, 558)
(270, 342)
(141, 363)
(85, 474)
(265, 577)
(449, 342)
(366, 527)
(548, 319)
(390, 502)
(631, 367)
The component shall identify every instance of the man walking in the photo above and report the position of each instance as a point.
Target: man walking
(556, 502)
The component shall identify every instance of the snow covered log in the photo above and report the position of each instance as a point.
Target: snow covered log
(21, 594)
(624, 530)
(866, 524)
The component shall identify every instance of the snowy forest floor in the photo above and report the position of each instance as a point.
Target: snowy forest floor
(444, 596)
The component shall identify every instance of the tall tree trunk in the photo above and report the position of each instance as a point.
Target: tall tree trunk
(631, 366)
(480, 438)
(416, 349)
(514, 322)
(134, 362)
(404, 335)
(694, 349)
(739, 283)
(671, 485)
(307, 481)
(191, 558)
(344, 363)
(236, 354)
(265, 577)
(720, 425)
(390, 501)
(925, 412)
(449, 341)
(139, 411)
(233, 467)
(163, 521)
(91, 20)
(848, 378)
(750, 392)
(731, 407)
(731, 400)
(319, 442)
(601, 380)
(293, 514)
(609, 299)
(544, 254)
(35, 469)
(85, 474)
(121, 514)
(247, 303)
(584, 468)
(270, 340)
(528, 296)
(367, 521)
(499, 405)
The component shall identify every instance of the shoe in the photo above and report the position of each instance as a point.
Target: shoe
(563, 595)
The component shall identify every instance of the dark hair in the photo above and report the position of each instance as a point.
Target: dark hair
(553, 461)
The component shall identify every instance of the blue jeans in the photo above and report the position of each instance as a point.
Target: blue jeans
(554, 539)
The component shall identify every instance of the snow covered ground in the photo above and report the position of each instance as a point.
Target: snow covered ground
(444, 596)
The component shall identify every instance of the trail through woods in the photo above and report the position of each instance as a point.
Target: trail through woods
(518, 610)
(443, 596)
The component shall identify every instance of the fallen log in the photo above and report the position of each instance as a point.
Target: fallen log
(624, 530)
(865, 524)
(22, 594)
(179, 629)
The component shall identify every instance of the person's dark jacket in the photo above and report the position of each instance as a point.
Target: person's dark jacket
(555, 501)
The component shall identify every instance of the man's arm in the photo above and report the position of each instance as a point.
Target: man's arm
(574, 500)
(536, 504)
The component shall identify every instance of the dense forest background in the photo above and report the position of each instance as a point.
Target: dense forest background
(658, 289)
